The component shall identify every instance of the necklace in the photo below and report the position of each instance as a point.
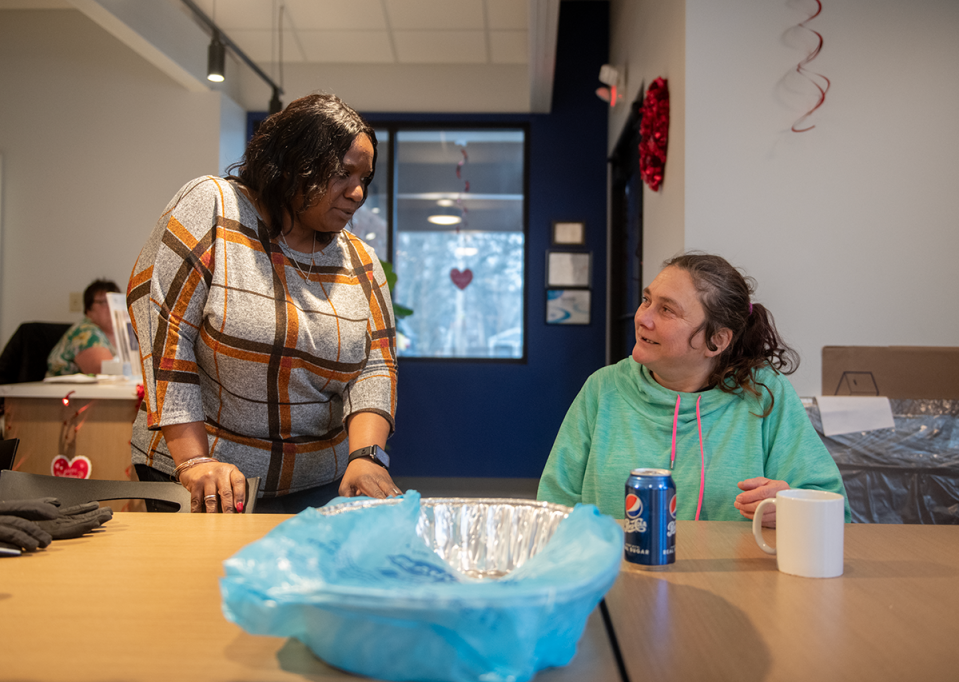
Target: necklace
(282, 241)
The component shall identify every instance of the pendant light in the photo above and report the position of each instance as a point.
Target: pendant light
(216, 59)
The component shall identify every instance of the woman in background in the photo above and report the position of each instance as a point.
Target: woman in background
(704, 395)
(266, 331)
(85, 345)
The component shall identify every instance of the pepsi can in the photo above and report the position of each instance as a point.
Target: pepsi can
(650, 518)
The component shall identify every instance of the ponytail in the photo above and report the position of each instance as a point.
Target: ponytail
(725, 295)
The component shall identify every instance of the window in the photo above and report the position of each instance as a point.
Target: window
(458, 241)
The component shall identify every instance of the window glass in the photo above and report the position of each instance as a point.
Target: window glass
(370, 222)
(459, 241)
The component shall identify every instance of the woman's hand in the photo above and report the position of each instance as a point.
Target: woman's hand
(755, 491)
(364, 477)
(215, 486)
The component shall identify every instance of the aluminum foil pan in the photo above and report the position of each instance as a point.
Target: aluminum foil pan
(482, 538)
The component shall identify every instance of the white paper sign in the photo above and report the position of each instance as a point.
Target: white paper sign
(851, 414)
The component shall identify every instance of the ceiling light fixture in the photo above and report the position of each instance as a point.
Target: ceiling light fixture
(445, 219)
(224, 40)
(215, 59)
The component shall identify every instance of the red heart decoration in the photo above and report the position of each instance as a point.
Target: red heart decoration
(78, 467)
(461, 279)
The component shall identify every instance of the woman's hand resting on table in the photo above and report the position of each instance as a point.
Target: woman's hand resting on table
(364, 477)
(755, 491)
(215, 486)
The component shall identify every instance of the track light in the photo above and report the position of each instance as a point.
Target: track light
(275, 104)
(216, 59)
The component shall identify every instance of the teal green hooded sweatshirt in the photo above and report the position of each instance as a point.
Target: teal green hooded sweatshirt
(622, 420)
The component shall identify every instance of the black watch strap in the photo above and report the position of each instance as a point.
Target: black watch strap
(373, 453)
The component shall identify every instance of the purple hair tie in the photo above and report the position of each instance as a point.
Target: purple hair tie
(750, 308)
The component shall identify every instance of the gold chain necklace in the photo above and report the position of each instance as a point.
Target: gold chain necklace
(282, 241)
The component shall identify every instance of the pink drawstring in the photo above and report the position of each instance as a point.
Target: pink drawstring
(702, 450)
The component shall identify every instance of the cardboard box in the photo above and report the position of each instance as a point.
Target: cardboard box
(929, 372)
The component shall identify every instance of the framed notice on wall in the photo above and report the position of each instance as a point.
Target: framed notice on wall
(567, 306)
(567, 269)
(569, 233)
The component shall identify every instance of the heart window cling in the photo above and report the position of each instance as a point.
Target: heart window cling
(461, 278)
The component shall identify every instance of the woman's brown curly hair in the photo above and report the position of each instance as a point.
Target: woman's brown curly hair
(725, 294)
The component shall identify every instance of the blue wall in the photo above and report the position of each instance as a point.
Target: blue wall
(492, 419)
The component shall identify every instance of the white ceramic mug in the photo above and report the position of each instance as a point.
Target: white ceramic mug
(809, 532)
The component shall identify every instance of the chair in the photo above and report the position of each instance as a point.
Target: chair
(17, 485)
(8, 451)
(24, 358)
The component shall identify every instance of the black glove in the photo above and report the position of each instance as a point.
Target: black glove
(72, 522)
(34, 523)
(41, 509)
(17, 533)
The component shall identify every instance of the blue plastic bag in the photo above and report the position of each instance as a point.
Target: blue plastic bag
(366, 594)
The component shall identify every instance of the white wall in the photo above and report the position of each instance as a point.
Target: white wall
(94, 141)
(850, 228)
(648, 41)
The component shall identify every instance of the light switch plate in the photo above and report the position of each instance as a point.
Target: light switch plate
(76, 302)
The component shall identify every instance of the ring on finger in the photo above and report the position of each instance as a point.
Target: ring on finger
(210, 497)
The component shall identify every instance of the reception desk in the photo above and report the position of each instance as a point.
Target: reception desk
(73, 429)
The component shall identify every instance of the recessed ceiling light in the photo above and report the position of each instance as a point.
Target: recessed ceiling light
(445, 219)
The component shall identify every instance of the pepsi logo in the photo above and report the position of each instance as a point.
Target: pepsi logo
(672, 507)
(634, 506)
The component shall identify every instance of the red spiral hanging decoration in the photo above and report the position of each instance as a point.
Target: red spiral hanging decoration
(654, 134)
(810, 75)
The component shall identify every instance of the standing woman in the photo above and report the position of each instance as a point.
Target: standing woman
(702, 395)
(266, 331)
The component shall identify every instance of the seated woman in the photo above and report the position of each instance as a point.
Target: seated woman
(89, 342)
(703, 395)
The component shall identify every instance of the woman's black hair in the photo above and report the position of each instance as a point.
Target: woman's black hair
(98, 286)
(725, 294)
(295, 153)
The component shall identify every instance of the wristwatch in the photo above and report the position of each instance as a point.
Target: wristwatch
(373, 453)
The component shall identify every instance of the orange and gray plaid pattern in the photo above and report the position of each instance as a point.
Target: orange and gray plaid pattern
(233, 334)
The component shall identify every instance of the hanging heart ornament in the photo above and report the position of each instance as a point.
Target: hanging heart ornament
(78, 467)
(461, 279)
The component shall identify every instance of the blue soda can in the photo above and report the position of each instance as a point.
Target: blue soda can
(650, 518)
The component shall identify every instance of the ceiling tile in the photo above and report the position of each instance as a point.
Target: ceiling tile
(435, 14)
(508, 47)
(360, 15)
(347, 47)
(262, 47)
(507, 14)
(232, 15)
(440, 47)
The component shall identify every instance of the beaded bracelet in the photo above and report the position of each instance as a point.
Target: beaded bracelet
(183, 466)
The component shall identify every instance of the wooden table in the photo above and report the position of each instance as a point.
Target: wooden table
(91, 434)
(140, 600)
(724, 612)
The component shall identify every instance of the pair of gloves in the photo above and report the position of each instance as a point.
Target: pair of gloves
(32, 524)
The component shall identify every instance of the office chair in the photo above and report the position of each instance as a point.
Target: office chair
(8, 452)
(24, 358)
(17, 485)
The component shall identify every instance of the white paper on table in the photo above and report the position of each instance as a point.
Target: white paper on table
(850, 414)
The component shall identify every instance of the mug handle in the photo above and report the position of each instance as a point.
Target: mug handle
(758, 526)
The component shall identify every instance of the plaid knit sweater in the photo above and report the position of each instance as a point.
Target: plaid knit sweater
(232, 334)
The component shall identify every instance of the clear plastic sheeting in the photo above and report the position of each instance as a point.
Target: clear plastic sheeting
(907, 474)
(438, 589)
